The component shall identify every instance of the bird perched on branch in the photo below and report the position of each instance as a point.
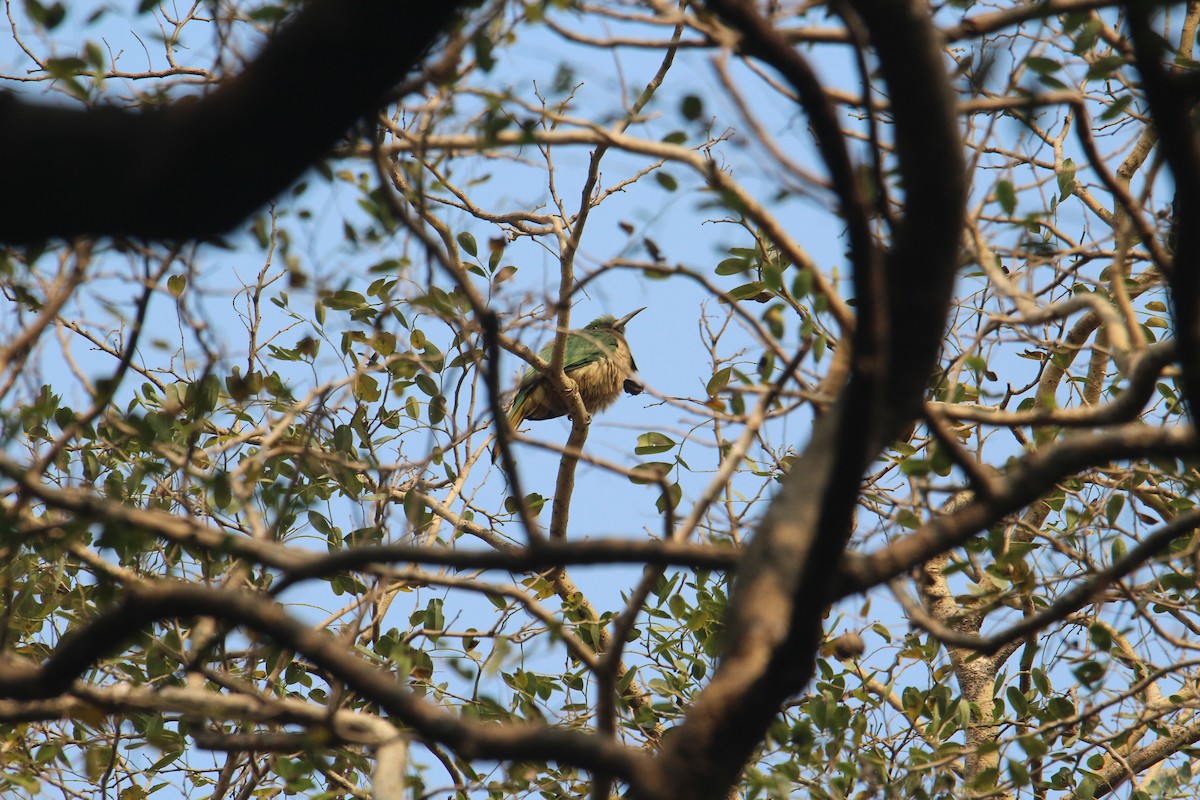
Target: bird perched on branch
(597, 359)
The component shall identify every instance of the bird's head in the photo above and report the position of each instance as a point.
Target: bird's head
(609, 322)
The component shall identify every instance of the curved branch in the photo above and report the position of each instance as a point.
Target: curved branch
(1066, 603)
(1171, 108)
(774, 621)
(1146, 368)
(147, 603)
(198, 167)
(1035, 476)
(537, 558)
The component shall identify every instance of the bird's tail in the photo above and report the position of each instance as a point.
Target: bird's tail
(516, 416)
(516, 413)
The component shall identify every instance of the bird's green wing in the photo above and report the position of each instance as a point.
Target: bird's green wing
(583, 348)
(530, 378)
(588, 347)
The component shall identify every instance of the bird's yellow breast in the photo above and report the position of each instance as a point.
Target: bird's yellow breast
(600, 382)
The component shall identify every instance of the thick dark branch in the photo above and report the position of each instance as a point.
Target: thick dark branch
(1172, 738)
(774, 622)
(1066, 603)
(148, 603)
(972, 27)
(198, 167)
(1145, 369)
(123, 700)
(762, 41)
(543, 556)
(299, 565)
(983, 24)
(1171, 107)
(272, 742)
(924, 257)
(873, 324)
(1032, 479)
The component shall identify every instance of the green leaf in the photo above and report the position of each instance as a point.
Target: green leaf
(1104, 66)
(1006, 197)
(755, 290)
(673, 496)
(666, 181)
(1017, 701)
(649, 472)
(772, 275)
(1086, 37)
(434, 620)
(222, 493)
(366, 388)
(651, 443)
(733, 266)
(482, 44)
(437, 409)
(1066, 179)
(1042, 66)
(65, 67)
(1116, 108)
(718, 381)
(344, 300)
(427, 385)
(820, 343)
(414, 508)
(1051, 82)
(96, 761)
(319, 523)
(95, 55)
(802, 284)
(48, 17)
(412, 407)
(497, 252)
(268, 14)
(383, 343)
(1033, 745)
(1112, 509)
(467, 242)
(1018, 772)
(691, 107)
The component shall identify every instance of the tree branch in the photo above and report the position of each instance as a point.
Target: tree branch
(1035, 476)
(1068, 602)
(198, 167)
(148, 603)
(1171, 108)
(774, 621)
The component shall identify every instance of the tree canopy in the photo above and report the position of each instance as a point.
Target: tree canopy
(907, 508)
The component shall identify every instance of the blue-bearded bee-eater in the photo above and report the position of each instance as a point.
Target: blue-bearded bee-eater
(597, 359)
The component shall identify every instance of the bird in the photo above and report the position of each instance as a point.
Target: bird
(597, 358)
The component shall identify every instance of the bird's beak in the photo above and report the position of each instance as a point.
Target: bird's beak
(623, 320)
